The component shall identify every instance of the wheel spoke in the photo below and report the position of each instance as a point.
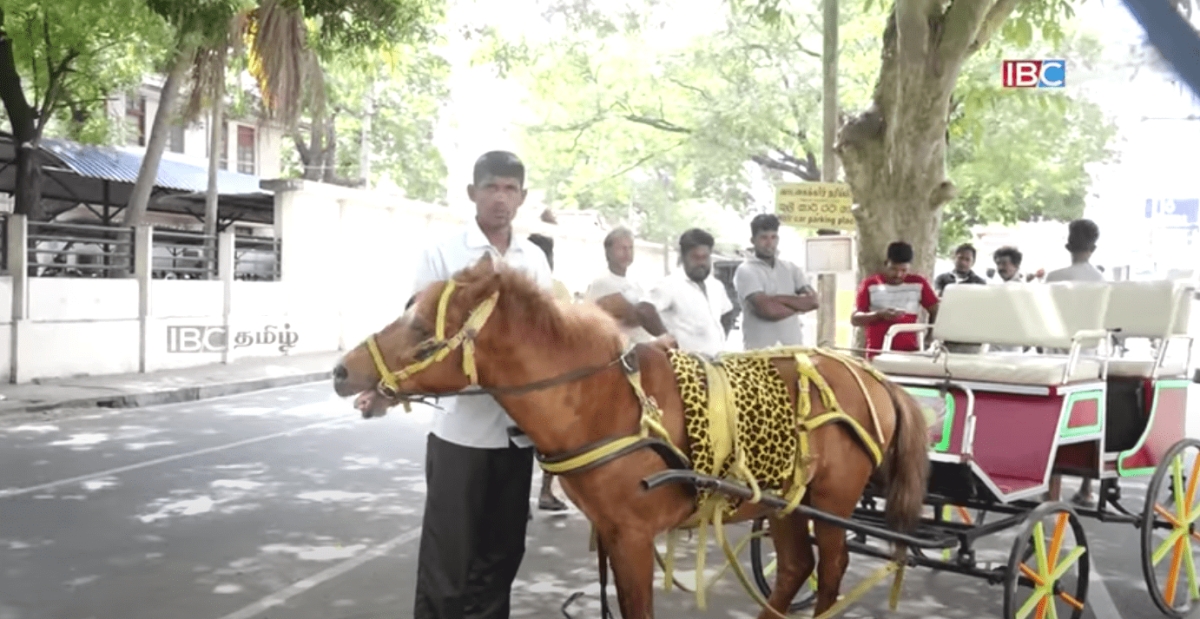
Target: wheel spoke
(1043, 604)
(1060, 529)
(1070, 600)
(1039, 547)
(1071, 558)
(1033, 602)
(1173, 575)
(1189, 563)
(1167, 544)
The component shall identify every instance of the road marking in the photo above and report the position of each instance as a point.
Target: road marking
(11, 492)
(1098, 597)
(279, 597)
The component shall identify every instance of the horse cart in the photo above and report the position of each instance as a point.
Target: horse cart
(812, 437)
(1063, 397)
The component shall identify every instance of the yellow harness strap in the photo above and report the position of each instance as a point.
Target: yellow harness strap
(649, 424)
(389, 381)
(723, 429)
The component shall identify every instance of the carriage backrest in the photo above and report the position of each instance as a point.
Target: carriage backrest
(1005, 314)
(1150, 308)
(1082, 306)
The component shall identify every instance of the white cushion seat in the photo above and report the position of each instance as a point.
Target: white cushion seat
(1142, 368)
(1019, 369)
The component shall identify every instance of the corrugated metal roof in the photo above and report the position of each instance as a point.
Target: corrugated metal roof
(122, 165)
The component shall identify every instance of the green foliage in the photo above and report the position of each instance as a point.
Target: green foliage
(76, 54)
(408, 84)
(1019, 154)
(712, 119)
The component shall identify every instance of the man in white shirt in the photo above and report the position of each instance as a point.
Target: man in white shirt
(692, 302)
(1082, 235)
(477, 474)
(620, 296)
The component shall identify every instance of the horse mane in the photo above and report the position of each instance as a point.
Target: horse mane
(534, 311)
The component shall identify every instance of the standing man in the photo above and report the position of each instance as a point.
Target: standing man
(547, 501)
(773, 292)
(477, 474)
(1008, 264)
(692, 303)
(893, 297)
(1082, 235)
(964, 259)
(621, 297)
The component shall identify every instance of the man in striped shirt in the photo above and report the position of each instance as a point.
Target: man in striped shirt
(893, 296)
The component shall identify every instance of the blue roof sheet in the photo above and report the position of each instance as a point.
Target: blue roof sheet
(122, 165)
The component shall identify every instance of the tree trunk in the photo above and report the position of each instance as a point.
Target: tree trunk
(216, 147)
(139, 198)
(894, 153)
(26, 136)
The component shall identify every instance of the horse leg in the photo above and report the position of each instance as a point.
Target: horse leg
(794, 561)
(631, 555)
(835, 557)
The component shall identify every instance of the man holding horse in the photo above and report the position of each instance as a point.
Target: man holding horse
(478, 469)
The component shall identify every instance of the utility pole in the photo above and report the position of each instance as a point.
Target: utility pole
(827, 282)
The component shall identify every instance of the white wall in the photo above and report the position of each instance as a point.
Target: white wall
(348, 260)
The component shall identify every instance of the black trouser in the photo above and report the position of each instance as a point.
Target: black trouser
(473, 535)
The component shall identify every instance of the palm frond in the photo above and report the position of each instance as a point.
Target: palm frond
(280, 59)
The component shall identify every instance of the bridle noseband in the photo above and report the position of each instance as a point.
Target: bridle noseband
(437, 348)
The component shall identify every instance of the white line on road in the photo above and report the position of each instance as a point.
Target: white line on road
(11, 492)
(279, 597)
(1098, 597)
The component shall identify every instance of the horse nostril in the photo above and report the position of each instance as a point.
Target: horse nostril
(340, 372)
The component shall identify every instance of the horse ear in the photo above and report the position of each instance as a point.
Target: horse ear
(486, 264)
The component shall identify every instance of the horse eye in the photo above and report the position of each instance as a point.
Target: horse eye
(426, 350)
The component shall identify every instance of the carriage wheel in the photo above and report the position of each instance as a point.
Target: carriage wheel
(1169, 530)
(1047, 575)
(762, 566)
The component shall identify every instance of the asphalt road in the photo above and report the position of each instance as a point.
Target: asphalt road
(285, 504)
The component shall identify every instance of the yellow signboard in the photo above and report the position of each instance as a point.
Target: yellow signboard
(815, 205)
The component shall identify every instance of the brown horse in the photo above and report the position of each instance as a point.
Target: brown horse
(557, 370)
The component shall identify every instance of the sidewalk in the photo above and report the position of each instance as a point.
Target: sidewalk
(167, 386)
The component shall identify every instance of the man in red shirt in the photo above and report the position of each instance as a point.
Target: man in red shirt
(891, 297)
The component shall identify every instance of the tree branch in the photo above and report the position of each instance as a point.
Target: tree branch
(912, 30)
(995, 18)
(961, 25)
(657, 123)
(806, 170)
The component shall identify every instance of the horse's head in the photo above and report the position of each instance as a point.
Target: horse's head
(430, 350)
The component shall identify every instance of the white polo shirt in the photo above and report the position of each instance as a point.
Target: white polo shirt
(690, 314)
(478, 420)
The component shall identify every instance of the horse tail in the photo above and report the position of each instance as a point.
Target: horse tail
(906, 465)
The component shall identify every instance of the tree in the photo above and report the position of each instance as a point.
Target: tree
(390, 96)
(742, 104)
(286, 40)
(61, 59)
(201, 29)
(894, 151)
(1017, 157)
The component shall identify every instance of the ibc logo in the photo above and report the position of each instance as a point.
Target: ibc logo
(1034, 73)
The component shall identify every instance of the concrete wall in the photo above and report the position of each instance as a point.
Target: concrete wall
(347, 266)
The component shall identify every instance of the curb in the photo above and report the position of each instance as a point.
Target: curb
(180, 394)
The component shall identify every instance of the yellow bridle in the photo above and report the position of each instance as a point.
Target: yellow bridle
(438, 347)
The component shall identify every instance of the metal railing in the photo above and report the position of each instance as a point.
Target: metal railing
(256, 258)
(79, 250)
(181, 254)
